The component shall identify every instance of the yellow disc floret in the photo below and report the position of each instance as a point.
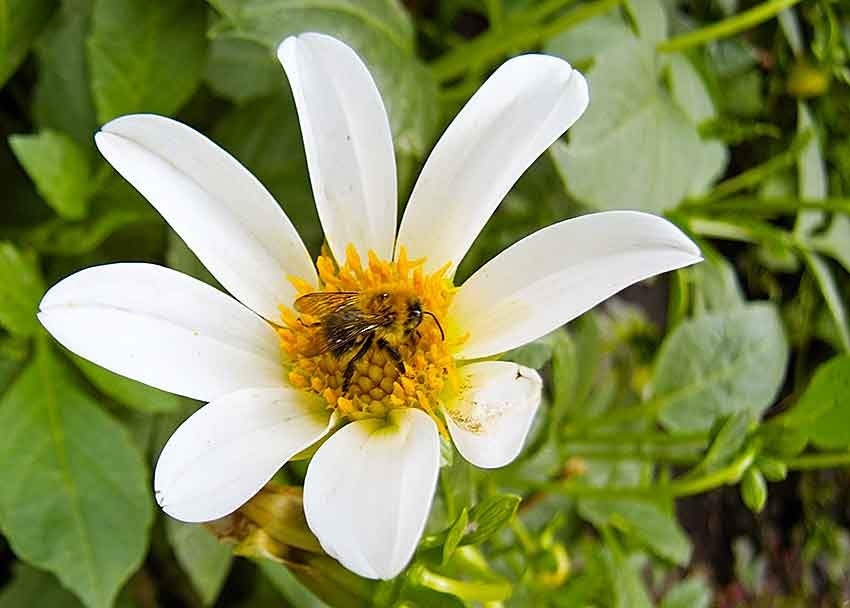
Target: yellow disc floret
(371, 339)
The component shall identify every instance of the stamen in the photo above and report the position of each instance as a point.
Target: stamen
(378, 383)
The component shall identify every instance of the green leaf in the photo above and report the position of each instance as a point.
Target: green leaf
(488, 516)
(634, 147)
(832, 296)
(21, 289)
(63, 99)
(649, 18)
(650, 526)
(730, 438)
(485, 519)
(202, 557)
(289, 587)
(74, 496)
(823, 411)
(590, 38)
(242, 70)
(128, 392)
(754, 490)
(60, 169)
(719, 364)
(690, 593)
(718, 288)
(20, 22)
(628, 589)
(114, 207)
(31, 587)
(145, 56)
(455, 535)
(382, 34)
(689, 91)
(534, 355)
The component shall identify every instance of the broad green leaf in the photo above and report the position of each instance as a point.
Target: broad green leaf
(20, 22)
(289, 587)
(719, 364)
(628, 589)
(74, 495)
(634, 147)
(717, 283)
(21, 289)
(690, 593)
(455, 535)
(114, 207)
(60, 169)
(32, 587)
(265, 137)
(145, 56)
(202, 557)
(689, 91)
(128, 392)
(823, 411)
(379, 30)
(649, 19)
(650, 526)
(242, 70)
(63, 99)
(590, 38)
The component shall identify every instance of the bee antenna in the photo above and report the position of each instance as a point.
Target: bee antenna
(437, 321)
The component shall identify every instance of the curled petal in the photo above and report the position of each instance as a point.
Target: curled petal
(368, 491)
(226, 451)
(164, 329)
(492, 414)
(561, 271)
(522, 108)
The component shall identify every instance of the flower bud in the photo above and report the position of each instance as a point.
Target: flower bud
(754, 490)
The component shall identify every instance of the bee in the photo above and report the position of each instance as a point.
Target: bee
(354, 320)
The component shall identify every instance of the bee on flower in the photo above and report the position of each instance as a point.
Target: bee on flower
(372, 352)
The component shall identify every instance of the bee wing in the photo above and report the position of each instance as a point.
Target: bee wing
(322, 303)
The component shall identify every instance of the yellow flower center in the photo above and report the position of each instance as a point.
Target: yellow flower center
(371, 339)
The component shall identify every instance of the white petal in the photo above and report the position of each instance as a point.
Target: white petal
(368, 491)
(521, 109)
(490, 418)
(163, 328)
(227, 450)
(217, 207)
(559, 272)
(348, 143)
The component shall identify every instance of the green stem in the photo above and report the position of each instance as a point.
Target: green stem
(727, 475)
(497, 43)
(819, 461)
(475, 591)
(652, 447)
(756, 175)
(727, 27)
(764, 206)
(647, 410)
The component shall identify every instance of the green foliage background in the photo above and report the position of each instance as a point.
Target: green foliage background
(729, 117)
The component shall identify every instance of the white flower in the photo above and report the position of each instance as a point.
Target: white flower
(369, 486)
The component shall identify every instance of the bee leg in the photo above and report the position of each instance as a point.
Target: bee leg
(393, 354)
(349, 368)
(303, 324)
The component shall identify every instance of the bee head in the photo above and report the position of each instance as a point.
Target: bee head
(414, 315)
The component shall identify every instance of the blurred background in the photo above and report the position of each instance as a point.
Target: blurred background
(693, 443)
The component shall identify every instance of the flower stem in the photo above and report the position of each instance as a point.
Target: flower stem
(495, 43)
(819, 461)
(728, 27)
(475, 591)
